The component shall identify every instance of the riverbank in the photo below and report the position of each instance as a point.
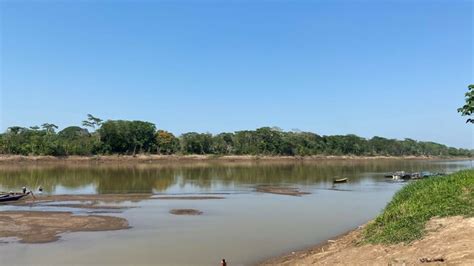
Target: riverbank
(111, 159)
(47, 226)
(431, 220)
(448, 240)
(39, 224)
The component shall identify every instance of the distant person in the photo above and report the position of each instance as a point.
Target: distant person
(223, 262)
(40, 190)
(24, 190)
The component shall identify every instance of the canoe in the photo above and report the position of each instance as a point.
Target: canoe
(11, 197)
(340, 180)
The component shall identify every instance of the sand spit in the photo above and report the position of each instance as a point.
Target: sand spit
(45, 226)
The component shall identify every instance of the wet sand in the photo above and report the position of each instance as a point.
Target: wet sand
(46, 226)
(448, 241)
(42, 227)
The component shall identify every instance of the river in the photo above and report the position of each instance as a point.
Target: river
(245, 227)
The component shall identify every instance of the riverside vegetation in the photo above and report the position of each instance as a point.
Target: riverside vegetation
(404, 218)
(427, 221)
(98, 137)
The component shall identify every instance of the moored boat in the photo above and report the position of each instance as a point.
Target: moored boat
(11, 197)
(4, 197)
(340, 180)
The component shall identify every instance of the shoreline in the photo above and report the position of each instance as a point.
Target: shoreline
(111, 159)
(313, 249)
(448, 240)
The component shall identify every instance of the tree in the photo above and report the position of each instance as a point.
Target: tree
(223, 143)
(166, 142)
(196, 143)
(78, 141)
(92, 122)
(49, 128)
(122, 136)
(468, 108)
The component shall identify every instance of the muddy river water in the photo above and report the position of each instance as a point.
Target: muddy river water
(236, 220)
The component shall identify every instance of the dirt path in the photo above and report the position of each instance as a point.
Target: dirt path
(448, 241)
(41, 227)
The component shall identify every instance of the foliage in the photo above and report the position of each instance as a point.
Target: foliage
(131, 137)
(92, 122)
(128, 137)
(166, 142)
(77, 141)
(196, 143)
(468, 107)
(404, 218)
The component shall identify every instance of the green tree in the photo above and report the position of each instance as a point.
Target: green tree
(468, 107)
(223, 143)
(196, 143)
(166, 142)
(92, 122)
(49, 128)
(127, 137)
(77, 141)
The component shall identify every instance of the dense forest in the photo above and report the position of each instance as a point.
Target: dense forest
(133, 137)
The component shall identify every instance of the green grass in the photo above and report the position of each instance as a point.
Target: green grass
(404, 218)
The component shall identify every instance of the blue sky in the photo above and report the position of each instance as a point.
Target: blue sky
(394, 69)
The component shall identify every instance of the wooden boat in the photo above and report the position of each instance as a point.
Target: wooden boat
(12, 196)
(340, 180)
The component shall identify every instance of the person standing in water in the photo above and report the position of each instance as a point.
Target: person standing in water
(223, 262)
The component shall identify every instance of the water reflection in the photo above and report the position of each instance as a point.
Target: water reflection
(197, 177)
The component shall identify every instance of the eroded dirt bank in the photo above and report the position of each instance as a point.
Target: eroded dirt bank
(41, 227)
(448, 241)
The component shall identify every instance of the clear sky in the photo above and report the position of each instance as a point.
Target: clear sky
(394, 69)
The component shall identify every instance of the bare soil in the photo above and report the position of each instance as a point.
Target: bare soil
(42, 227)
(185, 212)
(448, 241)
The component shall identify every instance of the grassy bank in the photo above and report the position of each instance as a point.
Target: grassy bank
(404, 218)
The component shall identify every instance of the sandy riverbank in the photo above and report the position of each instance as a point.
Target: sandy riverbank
(39, 226)
(9, 159)
(448, 241)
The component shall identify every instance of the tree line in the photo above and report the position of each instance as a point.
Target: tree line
(98, 137)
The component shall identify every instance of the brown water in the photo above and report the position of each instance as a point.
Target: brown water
(245, 227)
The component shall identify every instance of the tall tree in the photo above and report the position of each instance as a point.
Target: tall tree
(166, 142)
(92, 122)
(468, 107)
(121, 136)
(49, 128)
